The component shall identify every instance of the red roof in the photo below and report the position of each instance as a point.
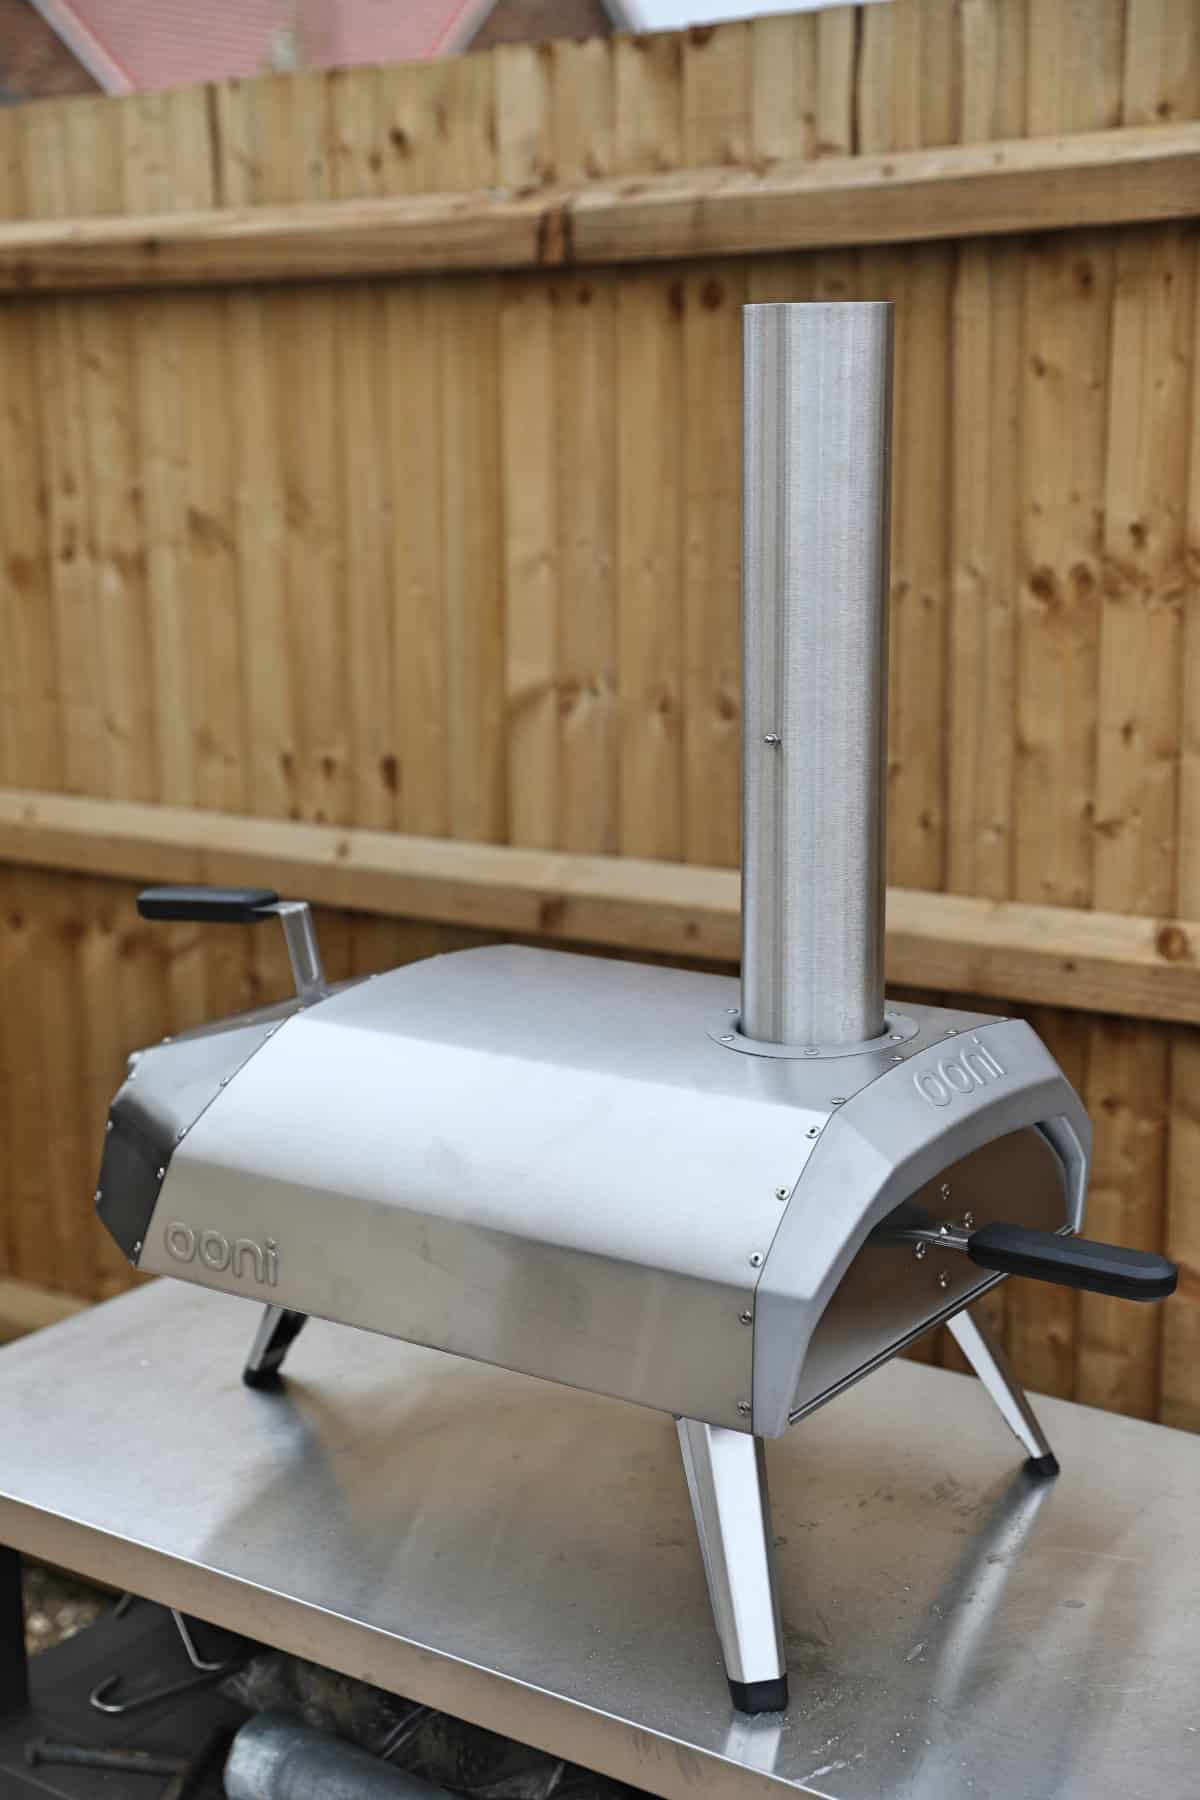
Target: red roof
(130, 44)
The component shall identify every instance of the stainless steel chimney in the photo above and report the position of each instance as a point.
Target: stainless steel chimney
(817, 417)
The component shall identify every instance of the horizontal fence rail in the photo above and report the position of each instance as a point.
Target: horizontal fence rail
(1128, 176)
(1040, 955)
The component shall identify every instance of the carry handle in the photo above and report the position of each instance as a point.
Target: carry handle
(246, 906)
(208, 905)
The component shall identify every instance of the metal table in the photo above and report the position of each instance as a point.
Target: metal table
(522, 1555)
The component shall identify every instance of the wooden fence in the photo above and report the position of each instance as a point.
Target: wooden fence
(369, 480)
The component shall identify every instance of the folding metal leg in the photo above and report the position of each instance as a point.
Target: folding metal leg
(277, 1331)
(727, 1480)
(991, 1365)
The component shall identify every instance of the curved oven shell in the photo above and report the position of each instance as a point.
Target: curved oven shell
(548, 1162)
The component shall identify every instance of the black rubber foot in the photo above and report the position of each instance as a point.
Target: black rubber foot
(760, 1696)
(262, 1378)
(1043, 1466)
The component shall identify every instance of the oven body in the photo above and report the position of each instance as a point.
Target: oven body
(554, 1163)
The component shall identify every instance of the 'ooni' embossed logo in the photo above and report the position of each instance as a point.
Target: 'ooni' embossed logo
(244, 1258)
(974, 1067)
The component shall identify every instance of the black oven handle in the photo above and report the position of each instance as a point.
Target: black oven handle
(1072, 1262)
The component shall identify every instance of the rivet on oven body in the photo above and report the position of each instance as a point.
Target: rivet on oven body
(746, 1316)
(919, 1250)
(968, 1221)
(743, 1407)
(781, 1193)
(756, 1259)
(773, 738)
(943, 1279)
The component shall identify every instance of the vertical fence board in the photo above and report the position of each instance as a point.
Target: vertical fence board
(259, 511)
(471, 497)
(1179, 1399)
(649, 381)
(1162, 61)
(984, 479)
(296, 147)
(29, 693)
(528, 395)
(1127, 1099)
(783, 87)
(58, 364)
(1043, 1320)
(585, 459)
(1179, 1393)
(366, 475)
(58, 932)
(716, 128)
(408, 98)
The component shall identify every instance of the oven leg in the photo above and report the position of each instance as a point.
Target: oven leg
(991, 1365)
(277, 1331)
(727, 1481)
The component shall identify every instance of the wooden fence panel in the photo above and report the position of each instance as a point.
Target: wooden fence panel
(457, 554)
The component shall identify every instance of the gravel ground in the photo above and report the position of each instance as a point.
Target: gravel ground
(57, 1606)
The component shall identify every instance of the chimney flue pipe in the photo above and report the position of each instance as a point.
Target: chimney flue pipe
(817, 417)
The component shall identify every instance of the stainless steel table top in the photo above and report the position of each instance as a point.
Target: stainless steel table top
(523, 1555)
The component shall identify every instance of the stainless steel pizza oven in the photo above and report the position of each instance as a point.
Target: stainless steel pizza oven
(727, 1202)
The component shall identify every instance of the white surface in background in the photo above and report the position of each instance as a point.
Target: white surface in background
(669, 15)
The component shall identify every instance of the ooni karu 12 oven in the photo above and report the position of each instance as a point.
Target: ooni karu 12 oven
(725, 1202)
